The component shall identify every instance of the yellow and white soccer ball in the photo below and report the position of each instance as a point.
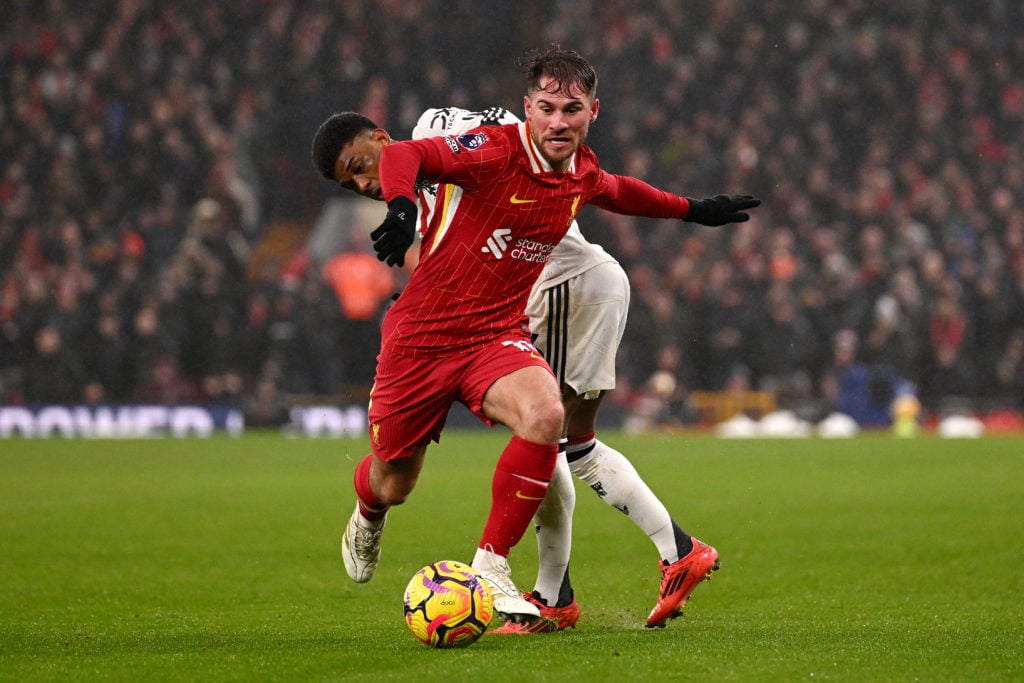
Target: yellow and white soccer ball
(447, 605)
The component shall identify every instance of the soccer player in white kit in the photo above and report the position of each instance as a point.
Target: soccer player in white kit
(577, 311)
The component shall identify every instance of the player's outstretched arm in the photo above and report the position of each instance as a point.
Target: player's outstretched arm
(721, 209)
(634, 197)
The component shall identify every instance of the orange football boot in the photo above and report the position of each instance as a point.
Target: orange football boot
(679, 579)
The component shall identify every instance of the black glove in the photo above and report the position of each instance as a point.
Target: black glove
(396, 234)
(721, 209)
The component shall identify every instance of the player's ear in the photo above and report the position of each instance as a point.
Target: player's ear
(381, 137)
(593, 109)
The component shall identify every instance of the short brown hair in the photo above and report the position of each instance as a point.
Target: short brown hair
(567, 67)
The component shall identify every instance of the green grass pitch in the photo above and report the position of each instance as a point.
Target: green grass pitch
(871, 559)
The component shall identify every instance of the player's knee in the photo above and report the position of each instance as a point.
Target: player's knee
(548, 422)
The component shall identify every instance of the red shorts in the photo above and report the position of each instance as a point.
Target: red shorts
(411, 396)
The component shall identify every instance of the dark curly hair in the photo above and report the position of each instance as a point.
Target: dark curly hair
(333, 134)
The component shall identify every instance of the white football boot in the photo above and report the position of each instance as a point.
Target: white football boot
(360, 546)
(497, 576)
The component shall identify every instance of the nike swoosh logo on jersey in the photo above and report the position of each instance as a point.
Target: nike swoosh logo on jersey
(516, 200)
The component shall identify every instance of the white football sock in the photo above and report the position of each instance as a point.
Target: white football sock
(554, 532)
(612, 476)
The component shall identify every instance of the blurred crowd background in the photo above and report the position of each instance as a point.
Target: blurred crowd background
(164, 237)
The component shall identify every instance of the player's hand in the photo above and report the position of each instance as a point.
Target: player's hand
(396, 234)
(721, 209)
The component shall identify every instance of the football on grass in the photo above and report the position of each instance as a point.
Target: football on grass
(447, 605)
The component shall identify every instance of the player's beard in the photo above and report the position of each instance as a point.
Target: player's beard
(560, 156)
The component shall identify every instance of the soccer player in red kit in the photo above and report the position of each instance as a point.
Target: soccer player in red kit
(458, 331)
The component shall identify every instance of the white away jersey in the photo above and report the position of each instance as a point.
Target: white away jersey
(572, 256)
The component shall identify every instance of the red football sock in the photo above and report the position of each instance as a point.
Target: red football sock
(370, 506)
(520, 481)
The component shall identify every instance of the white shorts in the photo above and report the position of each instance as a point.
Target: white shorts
(578, 325)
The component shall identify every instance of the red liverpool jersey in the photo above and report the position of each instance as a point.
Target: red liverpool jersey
(500, 211)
